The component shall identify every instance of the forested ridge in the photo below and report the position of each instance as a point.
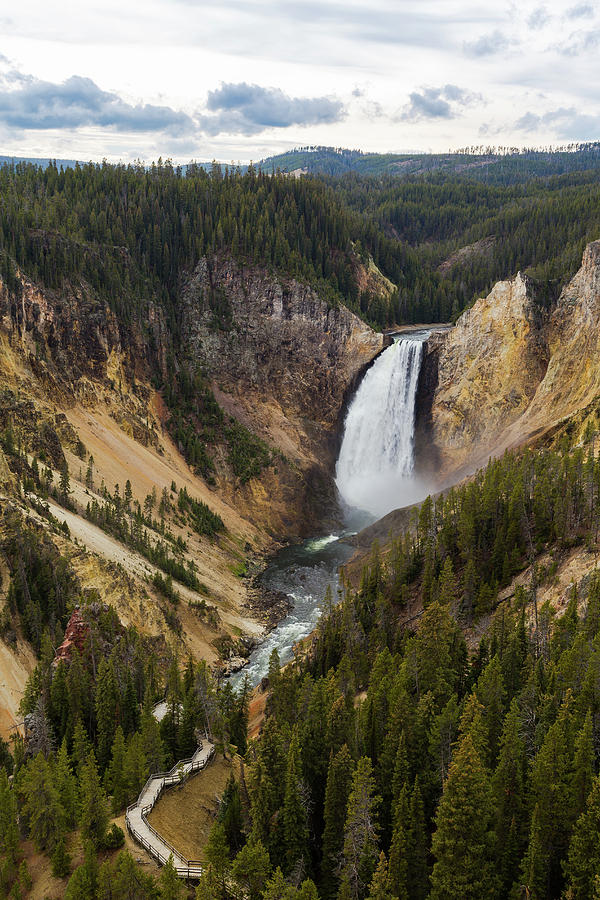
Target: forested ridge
(396, 760)
(133, 233)
(493, 165)
(540, 227)
(394, 763)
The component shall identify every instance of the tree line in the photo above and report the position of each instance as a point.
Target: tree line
(396, 763)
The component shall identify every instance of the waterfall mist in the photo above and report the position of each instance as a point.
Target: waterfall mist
(375, 467)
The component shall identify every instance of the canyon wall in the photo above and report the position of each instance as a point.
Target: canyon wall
(510, 369)
(279, 359)
(282, 361)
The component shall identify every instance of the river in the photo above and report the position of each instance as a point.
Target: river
(377, 450)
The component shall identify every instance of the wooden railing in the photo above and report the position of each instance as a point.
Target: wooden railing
(192, 869)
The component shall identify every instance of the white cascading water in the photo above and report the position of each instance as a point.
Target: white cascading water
(374, 473)
(375, 467)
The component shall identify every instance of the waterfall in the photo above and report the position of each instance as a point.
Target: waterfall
(375, 467)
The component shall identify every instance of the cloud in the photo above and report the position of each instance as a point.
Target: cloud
(566, 123)
(488, 44)
(538, 18)
(580, 42)
(437, 103)
(248, 109)
(581, 11)
(403, 23)
(29, 103)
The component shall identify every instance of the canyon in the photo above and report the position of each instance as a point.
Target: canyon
(77, 388)
(77, 382)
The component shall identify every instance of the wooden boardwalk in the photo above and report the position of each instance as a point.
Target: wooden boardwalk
(137, 813)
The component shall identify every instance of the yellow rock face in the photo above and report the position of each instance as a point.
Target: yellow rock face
(508, 370)
(489, 368)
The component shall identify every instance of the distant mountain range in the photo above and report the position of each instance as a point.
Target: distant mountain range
(42, 161)
(501, 166)
(495, 166)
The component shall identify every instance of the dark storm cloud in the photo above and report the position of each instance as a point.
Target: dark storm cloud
(29, 103)
(437, 103)
(488, 44)
(249, 109)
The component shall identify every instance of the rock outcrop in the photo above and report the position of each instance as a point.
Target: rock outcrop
(511, 369)
(283, 366)
(72, 339)
(76, 634)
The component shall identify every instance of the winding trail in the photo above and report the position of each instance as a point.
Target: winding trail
(136, 815)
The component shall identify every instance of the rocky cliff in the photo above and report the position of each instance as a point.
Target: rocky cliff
(511, 369)
(282, 361)
(77, 388)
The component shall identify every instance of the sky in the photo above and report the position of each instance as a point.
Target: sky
(244, 79)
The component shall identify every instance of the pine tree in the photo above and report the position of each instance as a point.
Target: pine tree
(230, 814)
(339, 777)
(83, 883)
(379, 885)
(151, 740)
(81, 747)
(124, 878)
(42, 808)
(401, 773)
(418, 846)
(583, 864)
(169, 884)
(583, 766)
(463, 839)
(277, 887)
(89, 475)
(216, 853)
(433, 646)
(61, 859)
(307, 891)
(94, 805)
(508, 786)
(186, 735)
(64, 484)
(399, 849)
(491, 694)
(552, 820)
(360, 851)
(447, 584)
(107, 701)
(115, 782)
(66, 785)
(209, 887)
(251, 868)
(135, 768)
(295, 830)
(472, 723)
(266, 788)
